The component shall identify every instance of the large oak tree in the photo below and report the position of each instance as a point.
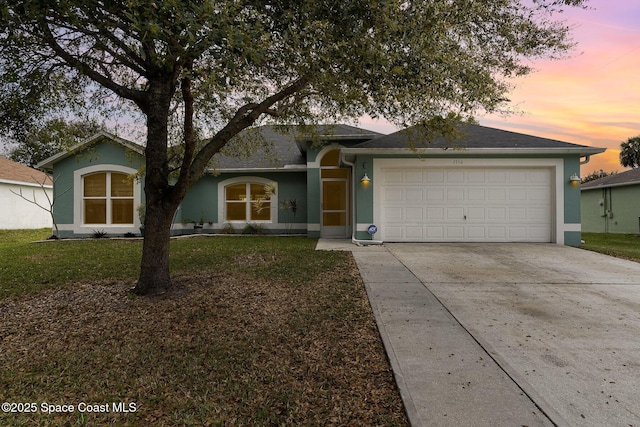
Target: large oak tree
(222, 66)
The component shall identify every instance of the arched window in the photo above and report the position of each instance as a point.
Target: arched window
(248, 201)
(107, 198)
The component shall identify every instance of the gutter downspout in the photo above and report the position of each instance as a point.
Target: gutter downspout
(586, 159)
(354, 223)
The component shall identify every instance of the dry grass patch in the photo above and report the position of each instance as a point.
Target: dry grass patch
(221, 349)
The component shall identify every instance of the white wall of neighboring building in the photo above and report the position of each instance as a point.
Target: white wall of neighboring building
(16, 213)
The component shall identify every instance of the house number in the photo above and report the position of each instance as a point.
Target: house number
(458, 162)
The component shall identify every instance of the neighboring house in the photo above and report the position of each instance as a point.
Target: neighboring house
(337, 181)
(15, 212)
(612, 204)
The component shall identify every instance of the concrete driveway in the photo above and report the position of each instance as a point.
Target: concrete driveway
(540, 334)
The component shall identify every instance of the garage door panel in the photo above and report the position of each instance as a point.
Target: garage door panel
(538, 194)
(519, 177)
(392, 176)
(497, 233)
(455, 232)
(540, 177)
(476, 214)
(517, 233)
(393, 214)
(496, 214)
(455, 213)
(539, 215)
(517, 213)
(517, 194)
(497, 195)
(414, 213)
(434, 214)
(413, 176)
(434, 233)
(434, 194)
(465, 204)
(414, 232)
(414, 194)
(476, 194)
(538, 233)
(392, 194)
(454, 194)
(476, 233)
(455, 176)
(476, 176)
(435, 176)
(497, 176)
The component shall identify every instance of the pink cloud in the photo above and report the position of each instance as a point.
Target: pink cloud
(593, 97)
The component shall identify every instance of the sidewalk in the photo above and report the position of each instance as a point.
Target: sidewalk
(445, 377)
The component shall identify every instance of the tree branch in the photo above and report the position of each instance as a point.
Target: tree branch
(189, 133)
(244, 117)
(134, 95)
(51, 202)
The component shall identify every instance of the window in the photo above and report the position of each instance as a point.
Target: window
(107, 198)
(247, 202)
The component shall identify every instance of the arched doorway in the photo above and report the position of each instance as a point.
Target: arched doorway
(335, 200)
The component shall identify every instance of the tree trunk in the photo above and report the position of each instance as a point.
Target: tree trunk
(161, 202)
(155, 277)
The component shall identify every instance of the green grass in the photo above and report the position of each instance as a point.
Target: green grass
(27, 267)
(256, 331)
(619, 245)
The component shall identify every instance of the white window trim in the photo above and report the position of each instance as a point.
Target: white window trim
(78, 200)
(222, 199)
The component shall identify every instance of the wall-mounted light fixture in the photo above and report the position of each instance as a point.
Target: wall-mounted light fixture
(574, 179)
(365, 179)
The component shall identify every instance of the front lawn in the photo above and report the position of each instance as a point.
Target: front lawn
(619, 245)
(256, 331)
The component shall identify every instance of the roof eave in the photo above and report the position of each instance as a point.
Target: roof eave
(582, 151)
(285, 168)
(601, 186)
(24, 183)
(47, 164)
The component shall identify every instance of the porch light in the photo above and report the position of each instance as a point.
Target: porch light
(574, 179)
(365, 179)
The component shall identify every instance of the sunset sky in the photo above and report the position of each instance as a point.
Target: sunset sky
(593, 96)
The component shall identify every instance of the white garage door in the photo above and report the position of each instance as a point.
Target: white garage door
(465, 204)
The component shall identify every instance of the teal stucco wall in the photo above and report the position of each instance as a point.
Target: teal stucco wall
(364, 195)
(103, 152)
(202, 202)
(572, 201)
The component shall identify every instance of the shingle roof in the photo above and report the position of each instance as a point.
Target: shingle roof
(629, 177)
(12, 171)
(471, 137)
(268, 147)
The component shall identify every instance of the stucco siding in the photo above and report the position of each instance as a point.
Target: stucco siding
(102, 153)
(611, 210)
(571, 191)
(205, 201)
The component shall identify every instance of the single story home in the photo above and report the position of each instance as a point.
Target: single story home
(18, 213)
(612, 204)
(340, 181)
